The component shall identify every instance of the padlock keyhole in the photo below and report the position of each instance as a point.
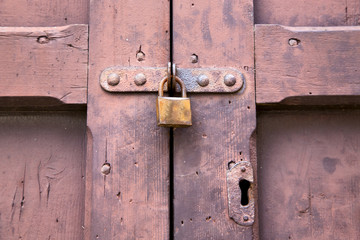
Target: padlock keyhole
(244, 187)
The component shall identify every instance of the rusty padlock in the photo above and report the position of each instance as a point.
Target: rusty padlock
(173, 111)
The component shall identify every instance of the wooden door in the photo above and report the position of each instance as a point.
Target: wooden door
(84, 161)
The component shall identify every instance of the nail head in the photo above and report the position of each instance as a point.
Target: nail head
(194, 58)
(140, 56)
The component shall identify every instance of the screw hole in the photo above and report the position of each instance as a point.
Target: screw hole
(194, 58)
(294, 42)
(106, 168)
(43, 39)
(231, 164)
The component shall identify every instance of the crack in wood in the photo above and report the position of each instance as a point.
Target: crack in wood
(22, 203)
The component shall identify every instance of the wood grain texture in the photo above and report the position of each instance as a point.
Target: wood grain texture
(43, 13)
(324, 62)
(309, 181)
(308, 12)
(132, 202)
(220, 33)
(44, 62)
(42, 180)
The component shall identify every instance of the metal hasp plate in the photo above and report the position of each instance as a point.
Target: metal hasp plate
(240, 179)
(146, 79)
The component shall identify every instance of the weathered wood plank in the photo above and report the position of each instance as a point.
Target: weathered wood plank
(220, 34)
(307, 12)
(309, 180)
(44, 62)
(321, 61)
(42, 180)
(132, 201)
(43, 13)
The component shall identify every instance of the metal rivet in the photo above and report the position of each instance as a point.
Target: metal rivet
(229, 80)
(105, 169)
(194, 58)
(140, 79)
(202, 80)
(113, 79)
(294, 42)
(243, 169)
(246, 218)
(140, 56)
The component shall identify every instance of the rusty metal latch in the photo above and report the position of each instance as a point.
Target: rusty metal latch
(146, 79)
(240, 179)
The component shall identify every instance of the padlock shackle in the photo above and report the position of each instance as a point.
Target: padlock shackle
(178, 80)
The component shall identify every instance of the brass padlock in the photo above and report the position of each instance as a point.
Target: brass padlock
(173, 111)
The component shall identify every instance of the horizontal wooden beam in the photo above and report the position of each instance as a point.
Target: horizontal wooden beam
(306, 61)
(44, 62)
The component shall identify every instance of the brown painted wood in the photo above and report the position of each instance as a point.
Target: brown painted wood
(42, 179)
(220, 33)
(43, 13)
(132, 202)
(44, 62)
(308, 12)
(309, 181)
(324, 62)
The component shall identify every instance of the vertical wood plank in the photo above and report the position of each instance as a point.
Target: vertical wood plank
(42, 178)
(131, 202)
(220, 33)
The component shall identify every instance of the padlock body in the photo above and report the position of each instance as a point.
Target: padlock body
(173, 112)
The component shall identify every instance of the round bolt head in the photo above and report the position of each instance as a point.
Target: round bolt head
(246, 218)
(140, 79)
(140, 56)
(105, 169)
(203, 80)
(229, 80)
(243, 169)
(194, 58)
(113, 79)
